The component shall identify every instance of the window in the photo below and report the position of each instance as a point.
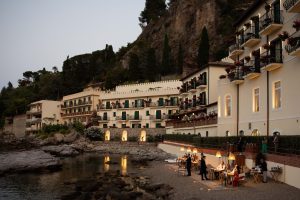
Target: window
(147, 125)
(256, 100)
(277, 95)
(114, 114)
(227, 106)
(147, 113)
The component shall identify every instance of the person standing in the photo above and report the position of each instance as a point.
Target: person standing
(240, 145)
(275, 141)
(264, 145)
(188, 164)
(203, 168)
(264, 169)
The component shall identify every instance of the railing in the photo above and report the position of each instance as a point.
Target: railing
(270, 18)
(250, 33)
(132, 117)
(266, 58)
(76, 113)
(104, 118)
(253, 66)
(289, 3)
(122, 117)
(76, 104)
(293, 42)
(192, 123)
(33, 111)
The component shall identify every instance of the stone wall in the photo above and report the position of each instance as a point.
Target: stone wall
(133, 132)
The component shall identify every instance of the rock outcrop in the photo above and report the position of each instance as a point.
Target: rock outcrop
(33, 160)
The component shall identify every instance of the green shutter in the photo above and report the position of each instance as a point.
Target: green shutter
(123, 115)
(158, 114)
(126, 103)
(136, 114)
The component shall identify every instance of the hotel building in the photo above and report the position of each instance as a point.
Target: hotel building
(40, 113)
(144, 105)
(80, 106)
(260, 95)
(198, 102)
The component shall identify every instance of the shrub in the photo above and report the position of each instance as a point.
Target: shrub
(116, 138)
(94, 133)
(79, 127)
(54, 128)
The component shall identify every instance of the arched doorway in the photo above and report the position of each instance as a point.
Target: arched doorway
(107, 135)
(143, 136)
(255, 132)
(124, 136)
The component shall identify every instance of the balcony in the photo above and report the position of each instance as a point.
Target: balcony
(235, 50)
(76, 114)
(236, 76)
(251, 38)
(34, 112)
(103, 119)
(135, 118)
(270, 22)
(271, 62)
(202, 84)
(122, 118)
(293, 46)
(292, 6)
(193, 123)
(33, 121)
(252, 69)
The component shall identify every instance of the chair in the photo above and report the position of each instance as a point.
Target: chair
(181, 167)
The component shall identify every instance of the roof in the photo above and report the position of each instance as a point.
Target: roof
(248, 12)
(215, 64)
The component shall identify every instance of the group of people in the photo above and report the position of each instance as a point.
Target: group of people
(203, 167)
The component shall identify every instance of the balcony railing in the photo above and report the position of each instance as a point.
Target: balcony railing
(76, 104)
(251, 37)
(271, 21)
(132, 117)
(76, 114)
(266, 58)
(293, 46)
(192, 123)
(288, 4)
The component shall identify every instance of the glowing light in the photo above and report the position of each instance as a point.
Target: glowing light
(123, 165)
(231, 156)
(218, 154)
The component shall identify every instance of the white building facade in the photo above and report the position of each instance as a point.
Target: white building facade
(261, 94)
(144, 105)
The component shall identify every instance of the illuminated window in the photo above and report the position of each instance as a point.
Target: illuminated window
(256, 100)
(277, 95)
(227, 106)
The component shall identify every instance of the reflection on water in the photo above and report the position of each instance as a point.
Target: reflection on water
(106, 166)
(53, 185)
(124, 165)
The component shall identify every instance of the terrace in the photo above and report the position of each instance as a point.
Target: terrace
(293, 44)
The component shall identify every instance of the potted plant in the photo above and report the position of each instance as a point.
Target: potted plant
(227, 70)
(283, 36)
(247, 25)
(255, 53)
(266, 46)
(296, 25)
(247, 58)
(267, 7)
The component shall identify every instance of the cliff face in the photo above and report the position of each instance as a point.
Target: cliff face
(183, 23)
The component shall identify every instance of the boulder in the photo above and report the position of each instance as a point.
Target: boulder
(62, 150)
(59, 138)
(32, 160)
(71, 137)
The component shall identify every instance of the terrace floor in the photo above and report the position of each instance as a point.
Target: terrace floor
(192, 188)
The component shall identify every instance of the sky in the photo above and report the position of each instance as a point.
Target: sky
(42, 33)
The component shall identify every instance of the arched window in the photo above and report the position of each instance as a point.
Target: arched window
(228, 105)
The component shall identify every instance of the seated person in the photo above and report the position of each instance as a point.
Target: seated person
(221, 166)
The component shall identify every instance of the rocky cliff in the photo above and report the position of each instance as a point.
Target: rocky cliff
(183, 23)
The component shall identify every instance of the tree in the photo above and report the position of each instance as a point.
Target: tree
(152, 11)
(180, 60)
(203, 50)
(134, 71)
(166, 63)
(54, 68)
(150, 65)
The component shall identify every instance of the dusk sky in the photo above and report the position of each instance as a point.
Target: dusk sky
(42, 33)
